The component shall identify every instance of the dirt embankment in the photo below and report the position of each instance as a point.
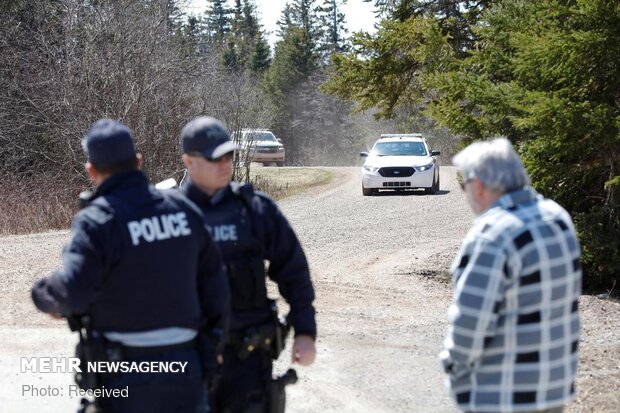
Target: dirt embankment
(380, 270)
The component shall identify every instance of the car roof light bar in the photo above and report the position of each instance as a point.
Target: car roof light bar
(401, 135)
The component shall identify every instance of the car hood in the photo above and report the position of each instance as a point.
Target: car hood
(267, 144)
(381, 161)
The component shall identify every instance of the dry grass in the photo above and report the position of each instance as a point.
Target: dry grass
(36, 204)
(283, 182)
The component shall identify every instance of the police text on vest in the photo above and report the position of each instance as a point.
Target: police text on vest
(223, 233)
(159, 228)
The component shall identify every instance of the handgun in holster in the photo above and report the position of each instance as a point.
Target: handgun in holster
(277, 391)
(90, 348)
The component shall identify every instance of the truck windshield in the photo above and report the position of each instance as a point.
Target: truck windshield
(260, 136)
(399, 149)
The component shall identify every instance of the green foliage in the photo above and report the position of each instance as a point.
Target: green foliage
(334, 31)
(545, 74)
(455, 17)
(218, 22)
(383, 70)
(246, 46)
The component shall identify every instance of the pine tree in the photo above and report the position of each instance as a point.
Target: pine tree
(247, 47)
(218, 20)
(332, 20)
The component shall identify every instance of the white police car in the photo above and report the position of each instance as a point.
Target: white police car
(400, 161)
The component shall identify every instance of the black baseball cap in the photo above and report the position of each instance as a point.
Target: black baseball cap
(108, 142)
(208, 137)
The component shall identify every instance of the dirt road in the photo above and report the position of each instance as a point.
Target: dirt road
(379, 266)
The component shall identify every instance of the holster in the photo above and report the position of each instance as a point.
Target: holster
(90, 348)
(269, 338)
(277, 391)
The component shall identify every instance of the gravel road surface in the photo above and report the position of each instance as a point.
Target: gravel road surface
(379, 266)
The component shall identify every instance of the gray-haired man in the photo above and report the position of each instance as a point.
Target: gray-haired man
(512, 343)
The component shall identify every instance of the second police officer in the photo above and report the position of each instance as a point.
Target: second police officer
(249, 229)
(144, 279)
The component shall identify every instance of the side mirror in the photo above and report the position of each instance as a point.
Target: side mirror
(435, 153)
(279, 140)
(364, 154)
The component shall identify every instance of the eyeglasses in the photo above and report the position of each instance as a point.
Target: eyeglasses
(226, 157)
(463, 183)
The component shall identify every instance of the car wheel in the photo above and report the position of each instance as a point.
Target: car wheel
(367, 191)
(280, 163)
(434, 188)
(266, 163)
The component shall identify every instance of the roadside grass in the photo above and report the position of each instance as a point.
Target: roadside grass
(283, 182)
(38, 204)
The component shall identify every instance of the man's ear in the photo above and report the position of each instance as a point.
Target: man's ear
(139, 160)
(187, 160)
(91, 171)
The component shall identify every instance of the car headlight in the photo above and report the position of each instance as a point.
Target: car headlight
(371, 169)
(425, 167)
(280, 149)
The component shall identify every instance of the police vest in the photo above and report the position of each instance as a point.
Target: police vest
(234, 227)
(155, 242)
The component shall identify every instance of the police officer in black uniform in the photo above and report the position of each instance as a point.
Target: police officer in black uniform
(143, 272)
(249, 229)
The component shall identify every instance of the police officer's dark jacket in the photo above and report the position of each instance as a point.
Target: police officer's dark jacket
(249, 228)
(139, 259)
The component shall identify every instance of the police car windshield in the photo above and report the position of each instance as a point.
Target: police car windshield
(260, 136)
(399, 148)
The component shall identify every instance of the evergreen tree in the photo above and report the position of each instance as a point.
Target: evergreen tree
(261, 58)
(332, 20)
(247, 47)
(218, 20)
(544, 73)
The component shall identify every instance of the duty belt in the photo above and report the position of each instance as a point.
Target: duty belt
(252, 339)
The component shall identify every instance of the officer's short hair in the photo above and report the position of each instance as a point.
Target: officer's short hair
(118, 167)
(109, 146)
(495, 163)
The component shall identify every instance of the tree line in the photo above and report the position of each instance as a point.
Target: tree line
(153, 66)
(544, 73)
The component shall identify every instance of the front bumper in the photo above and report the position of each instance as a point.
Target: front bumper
(419, 179)
(268, 156)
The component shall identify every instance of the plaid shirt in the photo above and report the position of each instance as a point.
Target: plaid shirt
(512, 343)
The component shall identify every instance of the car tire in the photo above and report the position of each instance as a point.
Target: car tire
(434, 188)
(280, 164)
(367, 191)
(266, 163)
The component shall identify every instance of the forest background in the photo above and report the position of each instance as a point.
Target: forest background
(544, 73)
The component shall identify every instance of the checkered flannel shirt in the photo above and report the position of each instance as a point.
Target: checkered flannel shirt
(512, 343)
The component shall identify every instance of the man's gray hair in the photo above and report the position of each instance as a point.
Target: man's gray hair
(495, 163)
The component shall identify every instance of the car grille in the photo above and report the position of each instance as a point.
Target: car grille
(396, 171)
(267, 150)
(396, 184)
